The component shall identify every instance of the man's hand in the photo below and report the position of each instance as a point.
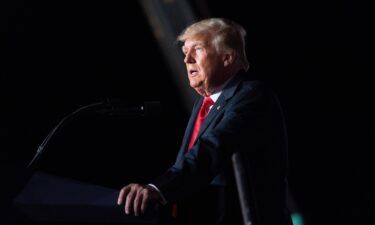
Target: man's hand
(137, 197)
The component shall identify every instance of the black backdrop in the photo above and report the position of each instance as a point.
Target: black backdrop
(60, 55)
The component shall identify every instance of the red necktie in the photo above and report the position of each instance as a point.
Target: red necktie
(203, 112)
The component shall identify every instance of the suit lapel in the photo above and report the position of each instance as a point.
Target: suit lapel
(216, 108)
(219, 105)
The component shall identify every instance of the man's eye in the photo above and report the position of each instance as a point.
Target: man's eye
(198, 48)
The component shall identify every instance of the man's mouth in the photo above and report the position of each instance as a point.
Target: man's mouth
(193, 72)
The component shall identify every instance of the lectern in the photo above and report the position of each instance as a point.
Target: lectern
(51, 199)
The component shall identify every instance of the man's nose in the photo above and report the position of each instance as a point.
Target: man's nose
(188, 58)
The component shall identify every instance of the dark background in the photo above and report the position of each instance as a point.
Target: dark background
(57, 56)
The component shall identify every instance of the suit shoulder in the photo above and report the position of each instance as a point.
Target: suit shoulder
(254, 86)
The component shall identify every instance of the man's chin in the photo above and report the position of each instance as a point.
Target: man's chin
(194, 84)
(200, 90)
(198, 87)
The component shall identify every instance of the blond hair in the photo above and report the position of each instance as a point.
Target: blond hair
(225, 35)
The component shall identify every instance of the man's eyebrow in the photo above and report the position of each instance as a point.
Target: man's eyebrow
(198, 43)
(192, 46)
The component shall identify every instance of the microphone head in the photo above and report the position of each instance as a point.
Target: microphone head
(119, 108)
(152, 108)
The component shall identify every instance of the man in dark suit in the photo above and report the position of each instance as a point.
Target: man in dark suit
(234, 114)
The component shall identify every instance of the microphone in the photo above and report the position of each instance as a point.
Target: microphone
(118, 108)
(110, 107)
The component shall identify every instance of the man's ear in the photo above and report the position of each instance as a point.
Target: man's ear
(229, 58)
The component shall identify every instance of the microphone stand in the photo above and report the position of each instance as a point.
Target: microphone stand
(110, 107)
(69, 117)
(245, 190)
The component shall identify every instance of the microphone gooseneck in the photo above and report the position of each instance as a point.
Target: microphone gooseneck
(108, 107)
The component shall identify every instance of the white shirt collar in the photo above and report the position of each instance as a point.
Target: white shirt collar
(215, 96)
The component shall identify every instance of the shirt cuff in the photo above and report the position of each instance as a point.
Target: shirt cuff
(163, 200)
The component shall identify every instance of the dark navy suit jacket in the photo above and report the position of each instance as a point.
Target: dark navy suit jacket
(246, 118)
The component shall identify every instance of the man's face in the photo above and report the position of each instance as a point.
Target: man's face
(205, 67)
